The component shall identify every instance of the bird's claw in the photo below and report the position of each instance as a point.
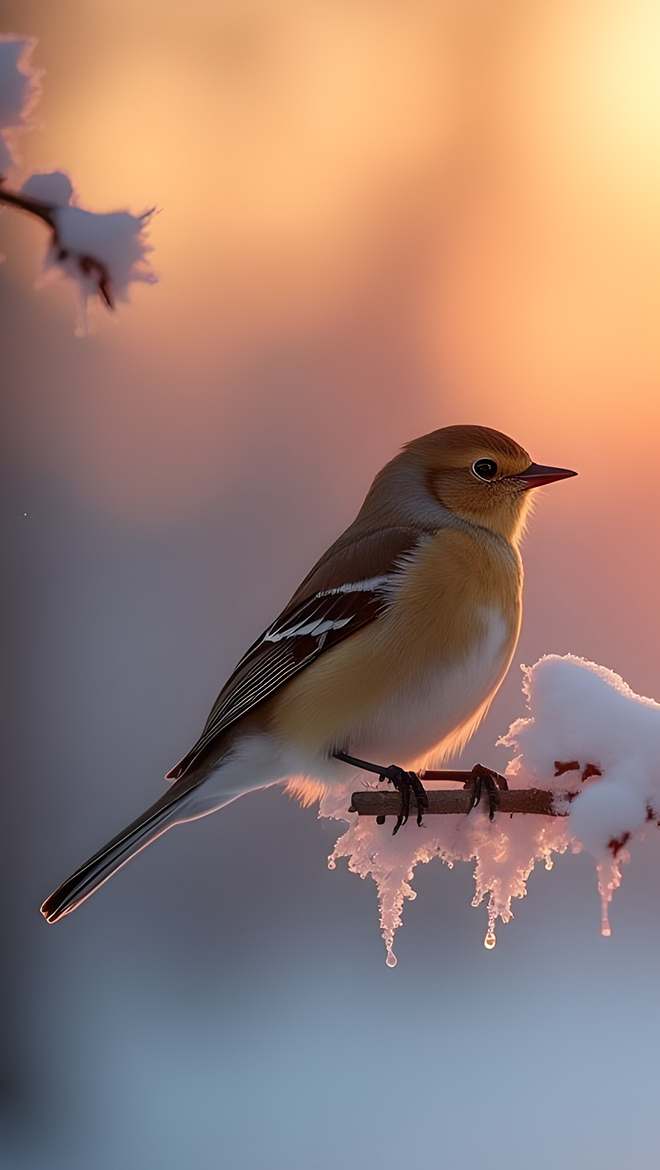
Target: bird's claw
(406, 783)
(482, 778)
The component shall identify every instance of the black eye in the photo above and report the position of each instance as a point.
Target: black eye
(485, 468)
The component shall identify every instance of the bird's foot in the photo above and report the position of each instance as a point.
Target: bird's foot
(482, 778)
(406, 783)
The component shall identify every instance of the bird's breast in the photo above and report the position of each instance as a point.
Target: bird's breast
(417, 680)
(433, 710)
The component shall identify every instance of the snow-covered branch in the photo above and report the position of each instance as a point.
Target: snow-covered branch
(102, 253)
(586, 771)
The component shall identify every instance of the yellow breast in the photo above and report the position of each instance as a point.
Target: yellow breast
(423, 673)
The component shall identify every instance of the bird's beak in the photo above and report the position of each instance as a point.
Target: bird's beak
(536, 475)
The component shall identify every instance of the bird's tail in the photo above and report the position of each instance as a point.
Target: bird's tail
(160, 817)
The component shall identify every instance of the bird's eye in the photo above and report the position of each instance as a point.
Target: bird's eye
(485, 468)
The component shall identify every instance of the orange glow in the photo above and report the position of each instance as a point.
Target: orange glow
(445, 212)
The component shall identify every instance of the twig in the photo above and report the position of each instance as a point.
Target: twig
(369, 802)
(89, 265)
(32, 206)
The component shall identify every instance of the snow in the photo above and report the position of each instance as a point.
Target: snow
(19, 90)
(589, 738)
(102, 253)
(51, 187)
(115, 239)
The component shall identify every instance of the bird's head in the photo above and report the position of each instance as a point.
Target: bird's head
(481, 475)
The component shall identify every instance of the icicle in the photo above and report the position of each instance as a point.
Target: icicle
(605, 928)
(609, 880)
(579, 713)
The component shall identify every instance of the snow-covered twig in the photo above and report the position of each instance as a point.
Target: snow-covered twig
(585, 768)
(102, 253)
(90, 266)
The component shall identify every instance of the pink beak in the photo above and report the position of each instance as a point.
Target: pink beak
(536, 475)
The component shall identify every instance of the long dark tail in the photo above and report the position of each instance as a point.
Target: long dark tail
(160, 817)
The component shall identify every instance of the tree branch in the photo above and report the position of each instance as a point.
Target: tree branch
(370, 802)
(89, 265)
(24, 203)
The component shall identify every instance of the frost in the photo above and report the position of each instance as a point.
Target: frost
(20, 87)
(590, 739)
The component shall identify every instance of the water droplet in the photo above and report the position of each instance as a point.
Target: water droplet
(332, 864)
(391, 958)
(490, 939)
(606, 931)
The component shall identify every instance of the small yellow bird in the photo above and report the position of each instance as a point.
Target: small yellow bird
(393, 646)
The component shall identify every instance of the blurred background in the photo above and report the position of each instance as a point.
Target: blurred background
(375, 219)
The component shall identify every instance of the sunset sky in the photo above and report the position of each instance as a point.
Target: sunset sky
(374, 219)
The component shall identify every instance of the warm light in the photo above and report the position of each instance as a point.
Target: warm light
(490, 940)
(452, 205)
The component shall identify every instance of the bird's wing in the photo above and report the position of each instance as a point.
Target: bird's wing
(345, 591)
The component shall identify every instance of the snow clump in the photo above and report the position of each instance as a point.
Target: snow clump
(20, 86)
(102, 253)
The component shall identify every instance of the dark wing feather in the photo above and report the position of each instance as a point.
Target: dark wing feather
(286, 648)
(328, 607)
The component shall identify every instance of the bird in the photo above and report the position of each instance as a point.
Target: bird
(393, 646)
